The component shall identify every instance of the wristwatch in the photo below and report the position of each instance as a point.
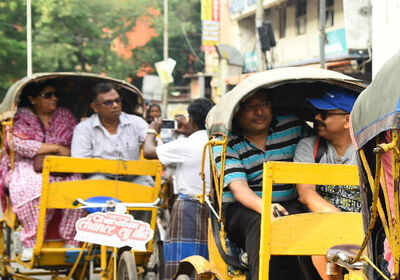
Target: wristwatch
(151, 131)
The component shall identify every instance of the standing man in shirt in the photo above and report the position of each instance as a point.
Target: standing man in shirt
(187, 232)
(332, 145)
(110, 133)
(258, 136)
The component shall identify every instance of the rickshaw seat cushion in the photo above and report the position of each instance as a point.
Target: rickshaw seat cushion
(99, 199)
(348, 250)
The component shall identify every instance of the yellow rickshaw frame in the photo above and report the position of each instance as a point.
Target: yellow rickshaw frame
(62, 195)
(278, 238)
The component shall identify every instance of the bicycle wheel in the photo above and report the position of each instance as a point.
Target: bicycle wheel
(127, 267)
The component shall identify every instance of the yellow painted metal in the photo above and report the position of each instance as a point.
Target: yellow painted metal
(367, 260)
(218, 183)
(305, 173)
(103, 262)
(314, 173)
(355, 275)
(95, 165)
(217, 264)
(9, 216)
(314, 233)
(63, 194)
(265, 250)
(395, 248)
(375, 205)
(115, 255)
(372, 183)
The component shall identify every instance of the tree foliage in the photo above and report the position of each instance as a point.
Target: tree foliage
(12, 42)
(86, 35)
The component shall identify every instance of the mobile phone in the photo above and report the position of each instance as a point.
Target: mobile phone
(169, 124)
(277, 213)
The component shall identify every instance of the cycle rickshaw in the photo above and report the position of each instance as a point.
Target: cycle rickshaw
(375, 122)
(288, 235)
(49, 255)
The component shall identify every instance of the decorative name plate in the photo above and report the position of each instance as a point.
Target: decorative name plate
(114, 230)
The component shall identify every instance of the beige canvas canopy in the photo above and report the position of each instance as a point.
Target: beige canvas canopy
(378, 107)
(9, 105)
(284, 84)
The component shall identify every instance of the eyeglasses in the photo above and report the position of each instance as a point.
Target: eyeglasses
(325, 114)
(109, 103)
(254, 107)
(48, 94)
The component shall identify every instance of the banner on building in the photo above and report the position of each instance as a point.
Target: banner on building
(210, 19)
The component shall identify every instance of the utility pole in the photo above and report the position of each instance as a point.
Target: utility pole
(322, 35)
(29, 37)
(259, 22)
(165, 86)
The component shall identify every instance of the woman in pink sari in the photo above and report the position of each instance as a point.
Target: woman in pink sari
(41, 128)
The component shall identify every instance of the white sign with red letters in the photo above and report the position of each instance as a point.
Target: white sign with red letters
(114, 230)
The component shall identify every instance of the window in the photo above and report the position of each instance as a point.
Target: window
(301, 16)
(330, 7)
(282, 22)
(330, 12)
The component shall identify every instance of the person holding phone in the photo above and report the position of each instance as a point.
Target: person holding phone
(187, 232)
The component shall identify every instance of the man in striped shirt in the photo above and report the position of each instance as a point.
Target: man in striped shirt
(258, 136)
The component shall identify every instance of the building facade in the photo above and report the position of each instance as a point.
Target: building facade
(296, 29)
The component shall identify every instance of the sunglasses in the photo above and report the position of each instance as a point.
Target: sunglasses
(49, 94)
(325, 114)
(109, 103)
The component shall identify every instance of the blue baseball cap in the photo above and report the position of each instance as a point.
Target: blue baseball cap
(333, 100)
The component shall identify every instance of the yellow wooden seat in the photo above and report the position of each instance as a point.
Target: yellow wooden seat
(310, 233)
(62, 195)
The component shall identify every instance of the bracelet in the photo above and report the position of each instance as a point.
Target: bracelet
(151, 131)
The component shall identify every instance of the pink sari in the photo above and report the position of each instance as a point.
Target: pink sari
(28, 135)
(387, 167)
(25, 185)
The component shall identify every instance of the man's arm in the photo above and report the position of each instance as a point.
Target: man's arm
(307, 192)
(243, 194)
(81, 143)
(150, 142)
(150, 146)
(309, 197)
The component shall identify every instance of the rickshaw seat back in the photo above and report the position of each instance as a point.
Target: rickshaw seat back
(309, 233)
(62, 195)
(296, 234)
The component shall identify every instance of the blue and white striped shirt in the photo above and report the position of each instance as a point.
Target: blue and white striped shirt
(244, 161)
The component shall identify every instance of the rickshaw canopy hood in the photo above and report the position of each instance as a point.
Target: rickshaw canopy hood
(9, 105)
(219, 119)
(377, 109)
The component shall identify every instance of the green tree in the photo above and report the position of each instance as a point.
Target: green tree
(12, 43)
(78, 35)
(184, 37)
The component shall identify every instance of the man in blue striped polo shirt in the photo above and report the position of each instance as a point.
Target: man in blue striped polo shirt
(258, 136)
